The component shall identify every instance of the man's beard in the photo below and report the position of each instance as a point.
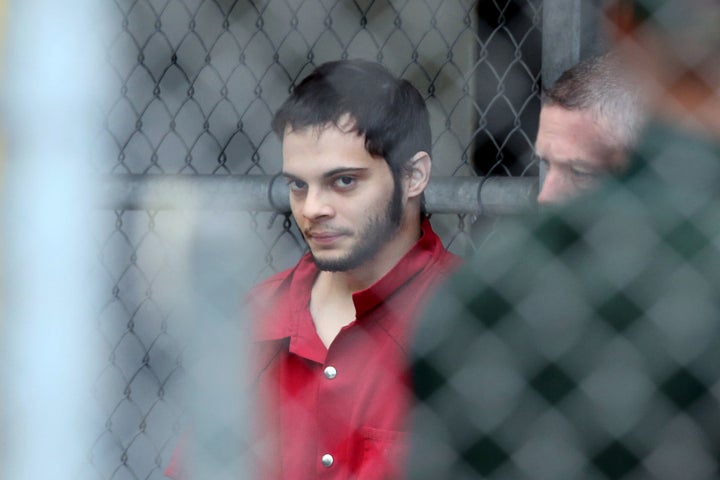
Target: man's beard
(379, 230)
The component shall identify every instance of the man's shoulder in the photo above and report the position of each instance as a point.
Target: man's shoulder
(449, 261)
(270, 286)
(274, 279)
(443, 269)
(266, 288)
(444, 262)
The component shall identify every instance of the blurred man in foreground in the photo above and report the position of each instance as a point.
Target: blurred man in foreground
(588, 122)
(586, 344)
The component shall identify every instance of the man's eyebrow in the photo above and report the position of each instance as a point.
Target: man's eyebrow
(329, 174)
(340, 170)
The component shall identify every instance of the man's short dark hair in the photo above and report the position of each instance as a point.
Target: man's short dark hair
(388, 111)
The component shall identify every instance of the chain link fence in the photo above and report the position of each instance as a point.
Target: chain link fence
(196, 83)
(582, 342)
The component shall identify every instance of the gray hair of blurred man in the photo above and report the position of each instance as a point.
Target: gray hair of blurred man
(599, 86)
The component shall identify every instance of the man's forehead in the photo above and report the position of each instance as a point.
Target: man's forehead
(556, 116)
(345, 124)
(569, 134)
(309, 155)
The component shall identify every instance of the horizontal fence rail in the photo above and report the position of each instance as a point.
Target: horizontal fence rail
(268, 193)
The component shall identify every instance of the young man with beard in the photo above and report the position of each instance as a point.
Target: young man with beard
(331, 373)
(333, 331)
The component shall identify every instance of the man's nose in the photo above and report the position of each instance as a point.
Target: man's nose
(554, 190)
(317, 204)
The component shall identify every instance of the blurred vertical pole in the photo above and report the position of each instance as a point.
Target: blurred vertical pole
(218, 355)
(51, 90)
(3, 422)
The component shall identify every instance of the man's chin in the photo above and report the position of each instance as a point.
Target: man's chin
(330, 264)
(334, 264)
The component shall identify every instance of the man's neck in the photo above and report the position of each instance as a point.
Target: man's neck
(331, 304)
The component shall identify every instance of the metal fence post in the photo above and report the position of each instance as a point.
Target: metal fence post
(570, 32)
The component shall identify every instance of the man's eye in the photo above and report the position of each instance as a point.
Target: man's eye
(344, 181)
(296, 185)
(584, 176)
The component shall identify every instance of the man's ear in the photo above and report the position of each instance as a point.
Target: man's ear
(419, 175)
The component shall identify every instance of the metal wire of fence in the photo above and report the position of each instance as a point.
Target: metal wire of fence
(196, 83)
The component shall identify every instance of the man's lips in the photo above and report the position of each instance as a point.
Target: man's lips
(323, 237)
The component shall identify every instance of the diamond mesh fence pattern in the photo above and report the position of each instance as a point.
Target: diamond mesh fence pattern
(197, 83)
(585, 347)
(584, 342)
